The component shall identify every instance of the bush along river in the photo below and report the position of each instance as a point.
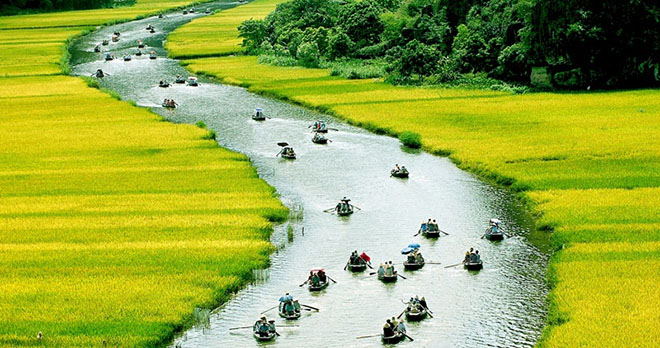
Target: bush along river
(502, 305)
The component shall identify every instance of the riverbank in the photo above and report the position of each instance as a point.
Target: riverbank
(114, 225)
(587, 161)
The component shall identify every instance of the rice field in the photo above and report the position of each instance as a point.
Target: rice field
(588, 162)
(218, 34)
(114, 225)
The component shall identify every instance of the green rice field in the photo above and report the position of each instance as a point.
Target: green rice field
(587, 163)
(114, 225)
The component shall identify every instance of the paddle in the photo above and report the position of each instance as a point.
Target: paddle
(399, 316)
(369, 265)
(433, 263)
(310, 307)
(367, 336)
(346, 266)
(329, 210)
(410, 338)
(334, 281)
(401, 276)
(303, 283)
(454, 265)
(277, 334)
(269, 309)
(372, 273)
(418, 232)
(334, 129)
(241, 327)
(429, 313)
(482, 236)
(355, 206)
(443, 232)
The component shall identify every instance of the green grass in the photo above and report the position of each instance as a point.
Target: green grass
(114, 225)
(588, 163)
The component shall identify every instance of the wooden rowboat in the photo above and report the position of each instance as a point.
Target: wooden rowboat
(413, 266)
(267, 337)
(400, 174)
(319, 140)
(473, 266)
(490, 235)
(388, 278)
(358, 267)
(396, 338)
(319, 287)
(416, 313)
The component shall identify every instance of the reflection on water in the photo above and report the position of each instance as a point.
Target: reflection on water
(500, 306)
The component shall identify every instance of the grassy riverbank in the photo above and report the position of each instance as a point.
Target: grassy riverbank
(588, 161)
(114, 225)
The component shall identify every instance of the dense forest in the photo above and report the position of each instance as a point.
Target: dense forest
(566, 43)
(12, 7)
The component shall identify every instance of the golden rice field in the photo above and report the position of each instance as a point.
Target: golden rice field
(218, 34)
(114, 225)
(589, 162)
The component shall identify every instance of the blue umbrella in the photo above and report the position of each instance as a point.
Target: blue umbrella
(414, 246)
(405, 251)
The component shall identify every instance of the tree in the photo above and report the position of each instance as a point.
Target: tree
(253, 33)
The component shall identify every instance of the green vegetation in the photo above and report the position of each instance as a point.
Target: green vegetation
(114, 225)
(13, 7)
(588, 163)
(599, 44)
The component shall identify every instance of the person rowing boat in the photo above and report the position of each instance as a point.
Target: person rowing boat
(289, 308)
(472, 260)
(399, 172)
(358, 263)
(264, 330)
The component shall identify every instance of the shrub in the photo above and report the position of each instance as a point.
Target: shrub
(411, 139)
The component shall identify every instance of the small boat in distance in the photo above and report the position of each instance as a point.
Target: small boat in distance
(493, 232)
(115, 38)
(472, 260)
(286, 152)
(399, 172)
(180, 79)
(319, 139)
(317, 280)
(163, 84)
(264, 330)
(192, 81)
(152, 55)
(140, 44)
(414, 259)
(127, 58)
(169, 103)
(357, 263)
(109, 56)
(290, 309)
(138, 53)
(97, 48)
(387, 273)
(105, 42)
(259, 115)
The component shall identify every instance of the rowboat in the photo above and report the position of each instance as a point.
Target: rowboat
(413, 266)
(152, 31)
(319, 139)
(388, 278)
(153, 55)
(318, 287)
(322, 284)
(185, 12)
(138, 53)
(396, 338)
(473, 265)
(97, 48)
(180, 79)
(163, 84)
(416, 313)
(127, 58)
(140, 44)
(115, 38)
(105, 43)
(357, 267)
(192, 81)
(494, 235)
(109, 57)
(208, 11)
(289, 155)
(288, 316)
(265, 336)
(400, 173)
(259, 115)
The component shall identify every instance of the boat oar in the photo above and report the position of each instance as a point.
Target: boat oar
(269, 309)
(334, 281)
(355, 206)
(277, 334)
(329, 210)
(367, 336)
(399, 316)
(418, 232)
(334, 129)
(401, 276)
(369, 265)
(482, 236)
(443, 232)
(410, 338)
(346, 266)
(314, 308)
(433, 263)
(454, 265)
(241, 327)
(429, 313)
(303, 283)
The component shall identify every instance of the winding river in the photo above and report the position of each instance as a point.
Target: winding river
(501, 306)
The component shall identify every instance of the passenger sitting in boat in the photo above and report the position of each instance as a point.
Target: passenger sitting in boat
(435, 225)
(263, 327)
(322, 276)
(394, 323)
(401, 327)
(389, 270)
(477, 257)
(419, 258)
(316, 279)
(422, 302)
(286, 298)
(424, 226)
(381, 270)
(403, 169)
(387, 329)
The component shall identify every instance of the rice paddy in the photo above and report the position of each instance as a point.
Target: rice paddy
(588, 162)
(114, 225)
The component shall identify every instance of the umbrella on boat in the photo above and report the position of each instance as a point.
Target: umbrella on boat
(283, 144)
(410, 248)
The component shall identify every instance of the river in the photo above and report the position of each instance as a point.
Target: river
(501, 306)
